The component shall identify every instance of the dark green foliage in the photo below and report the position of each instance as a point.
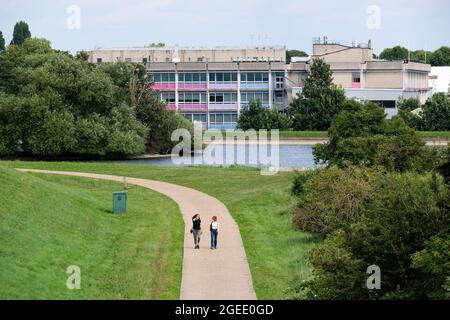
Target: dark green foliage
(2, 42)
(332, 199)
(294, 53)
(360, 134)
(436, 113)
(434, 262)
(405, 106)
(21, 33)
(373, 217)
(441, 57)
(257, 117)
(395, 53)
(444, 167)
(162, 123)
(300, 179)
(320, 100)
(54, 104)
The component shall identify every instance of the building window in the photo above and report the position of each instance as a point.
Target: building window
(192, 77)
(222, 118)
(144, 60)
(192, 97)
(356, 77)
(167, 97)
(223, 97)
(163, 77)
(303, 77)
(99, 60)
(223, 77)
(247, 97)
(389, 104)
(195, 117)
(255, 77)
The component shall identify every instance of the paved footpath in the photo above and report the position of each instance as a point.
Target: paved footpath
(207, 274)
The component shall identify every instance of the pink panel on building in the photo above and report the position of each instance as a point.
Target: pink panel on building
(192, 106)
(223, 86)
(164, 86)
(218, 107)
(192, 86)
(171, 106)
(356, 85)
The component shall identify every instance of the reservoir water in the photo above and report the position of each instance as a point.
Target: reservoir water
(289, 156)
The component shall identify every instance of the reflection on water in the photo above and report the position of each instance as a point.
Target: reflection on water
(290, 156)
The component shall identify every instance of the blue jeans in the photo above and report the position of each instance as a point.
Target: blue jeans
(214, 235)
(196, 233)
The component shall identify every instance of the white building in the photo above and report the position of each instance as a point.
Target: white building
(439, 80)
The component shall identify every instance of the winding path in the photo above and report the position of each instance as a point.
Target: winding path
(207, 274)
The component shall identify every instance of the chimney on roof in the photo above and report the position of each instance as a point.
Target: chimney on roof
(369, 44)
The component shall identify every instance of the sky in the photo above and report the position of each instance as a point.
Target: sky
(75, 25)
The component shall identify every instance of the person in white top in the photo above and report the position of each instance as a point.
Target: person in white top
(214, 228)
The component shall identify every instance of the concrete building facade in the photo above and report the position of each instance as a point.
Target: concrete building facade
(366, 78)
(212, 85)
(439, 80)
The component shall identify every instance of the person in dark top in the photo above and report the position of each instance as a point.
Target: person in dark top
(196, 230)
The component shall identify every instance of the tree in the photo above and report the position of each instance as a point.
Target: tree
(294, 53)
(444, 168)
(405, 108)
(320, 100)
(56, 104)
(2, 42)
(436, 113)
(361, 134)
(21, 32)
(371, 222)
(395, 53)
(441, 57)
(257, 117)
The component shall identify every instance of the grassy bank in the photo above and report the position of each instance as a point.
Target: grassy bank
(277, 253)
(434, 134)
(323, 134)
(51, 222)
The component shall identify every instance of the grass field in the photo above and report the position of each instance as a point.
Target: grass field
(323, 134)
(434, 134)
(277, 253)
(51, 222)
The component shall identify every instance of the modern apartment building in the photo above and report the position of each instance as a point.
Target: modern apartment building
(211, 85)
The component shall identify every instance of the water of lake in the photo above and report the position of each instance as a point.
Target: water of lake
(289, 156)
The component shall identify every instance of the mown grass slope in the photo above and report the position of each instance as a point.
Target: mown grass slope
(48, 223)
(276, 251)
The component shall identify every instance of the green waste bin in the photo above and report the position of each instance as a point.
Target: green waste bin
(120, 202)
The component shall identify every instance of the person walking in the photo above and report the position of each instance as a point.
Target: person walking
(214, 229)
(196, 230)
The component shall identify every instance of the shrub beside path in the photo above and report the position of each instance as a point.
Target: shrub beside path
(207, 274)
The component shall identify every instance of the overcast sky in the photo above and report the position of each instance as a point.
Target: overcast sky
(411, 23)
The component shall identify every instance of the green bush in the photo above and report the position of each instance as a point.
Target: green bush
(361, 135)
(391, 220)
(299, 181)
(255, 116)
(333, 198)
